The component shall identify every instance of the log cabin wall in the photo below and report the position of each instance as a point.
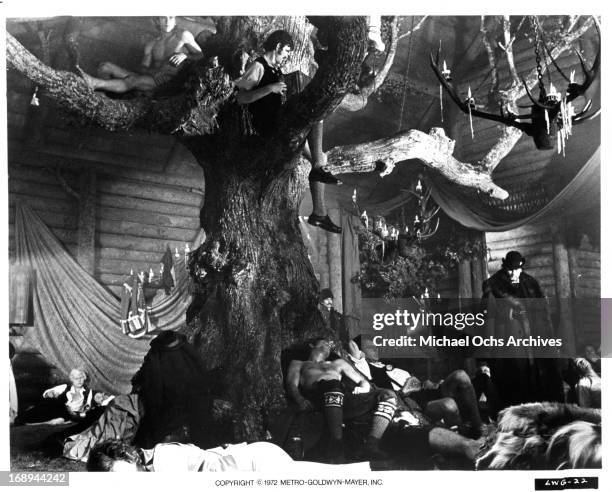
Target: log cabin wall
(569, 274)
(114, 200)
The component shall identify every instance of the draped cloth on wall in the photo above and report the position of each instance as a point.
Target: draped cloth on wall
(580, 195)
(76, 321)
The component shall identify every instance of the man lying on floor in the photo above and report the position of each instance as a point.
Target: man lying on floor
(317, 383)
(452, 400)
(118, 456)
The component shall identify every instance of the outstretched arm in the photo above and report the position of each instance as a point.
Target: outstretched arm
(293, 384)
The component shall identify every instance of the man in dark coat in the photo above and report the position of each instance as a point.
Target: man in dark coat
(518, 307)
(174, 391)
(334, 320)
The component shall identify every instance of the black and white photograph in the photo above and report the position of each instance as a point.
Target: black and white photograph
(337, 250)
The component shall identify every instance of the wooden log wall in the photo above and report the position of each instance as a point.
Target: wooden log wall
(114, 200)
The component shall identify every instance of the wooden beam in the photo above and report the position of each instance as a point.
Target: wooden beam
(334, 260)
(564, 292)
(86, 231)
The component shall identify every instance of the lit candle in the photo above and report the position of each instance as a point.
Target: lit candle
(426, 293)
(355, 196)
(150, 275)
(419, 187)
(445, 71)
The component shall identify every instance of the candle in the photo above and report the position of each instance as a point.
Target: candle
(419, 187)
(355, 196)
(176, 253)
(150, 275)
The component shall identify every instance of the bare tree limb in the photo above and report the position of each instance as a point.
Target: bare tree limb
(490, 55)
(510, 135)
(192, 112)
(356, 102)
(434, 150)
(414, 29)
(334, 77)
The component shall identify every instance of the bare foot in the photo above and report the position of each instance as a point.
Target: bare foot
(89, 80)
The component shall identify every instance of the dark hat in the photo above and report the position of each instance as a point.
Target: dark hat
(513, 260)
(325, 294)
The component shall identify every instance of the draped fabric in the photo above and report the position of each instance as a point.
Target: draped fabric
(76, 321)
(580, 195)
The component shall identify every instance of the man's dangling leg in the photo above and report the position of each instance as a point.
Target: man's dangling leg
(318, 178)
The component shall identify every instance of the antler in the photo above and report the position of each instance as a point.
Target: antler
(509, 120)
(575, 90)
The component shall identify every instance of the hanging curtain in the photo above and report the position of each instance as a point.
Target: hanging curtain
(579, 196)
(76, 320)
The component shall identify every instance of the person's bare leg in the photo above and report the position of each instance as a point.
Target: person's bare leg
(459, 387)
(108, 70)
(444, 408)
(119, 86)
(447, 442)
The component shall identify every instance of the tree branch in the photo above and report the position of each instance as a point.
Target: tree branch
(192, 112)
(490, 55)
(434, 150)
(512, 135)
(356, 102)
(333, 78)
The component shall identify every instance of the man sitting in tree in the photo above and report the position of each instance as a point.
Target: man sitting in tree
(263, 89)
(162, 60)
(316, 383)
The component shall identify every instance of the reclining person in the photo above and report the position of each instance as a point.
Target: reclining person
(162, 61)
(118, 456)
(72, 401)
(316, 383)
(453, 399)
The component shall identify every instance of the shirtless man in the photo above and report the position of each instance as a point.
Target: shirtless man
(162, 59)
(316, 382)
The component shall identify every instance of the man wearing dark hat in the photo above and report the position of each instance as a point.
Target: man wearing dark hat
(518, 307)
(333, 319)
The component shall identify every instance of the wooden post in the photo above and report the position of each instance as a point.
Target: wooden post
(86, 232)
(564, 291)
(465, 281)
(334, 260)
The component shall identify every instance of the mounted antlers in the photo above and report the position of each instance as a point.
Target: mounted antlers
(551, 114)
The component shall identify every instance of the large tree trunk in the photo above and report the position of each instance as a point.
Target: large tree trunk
(262, 297)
